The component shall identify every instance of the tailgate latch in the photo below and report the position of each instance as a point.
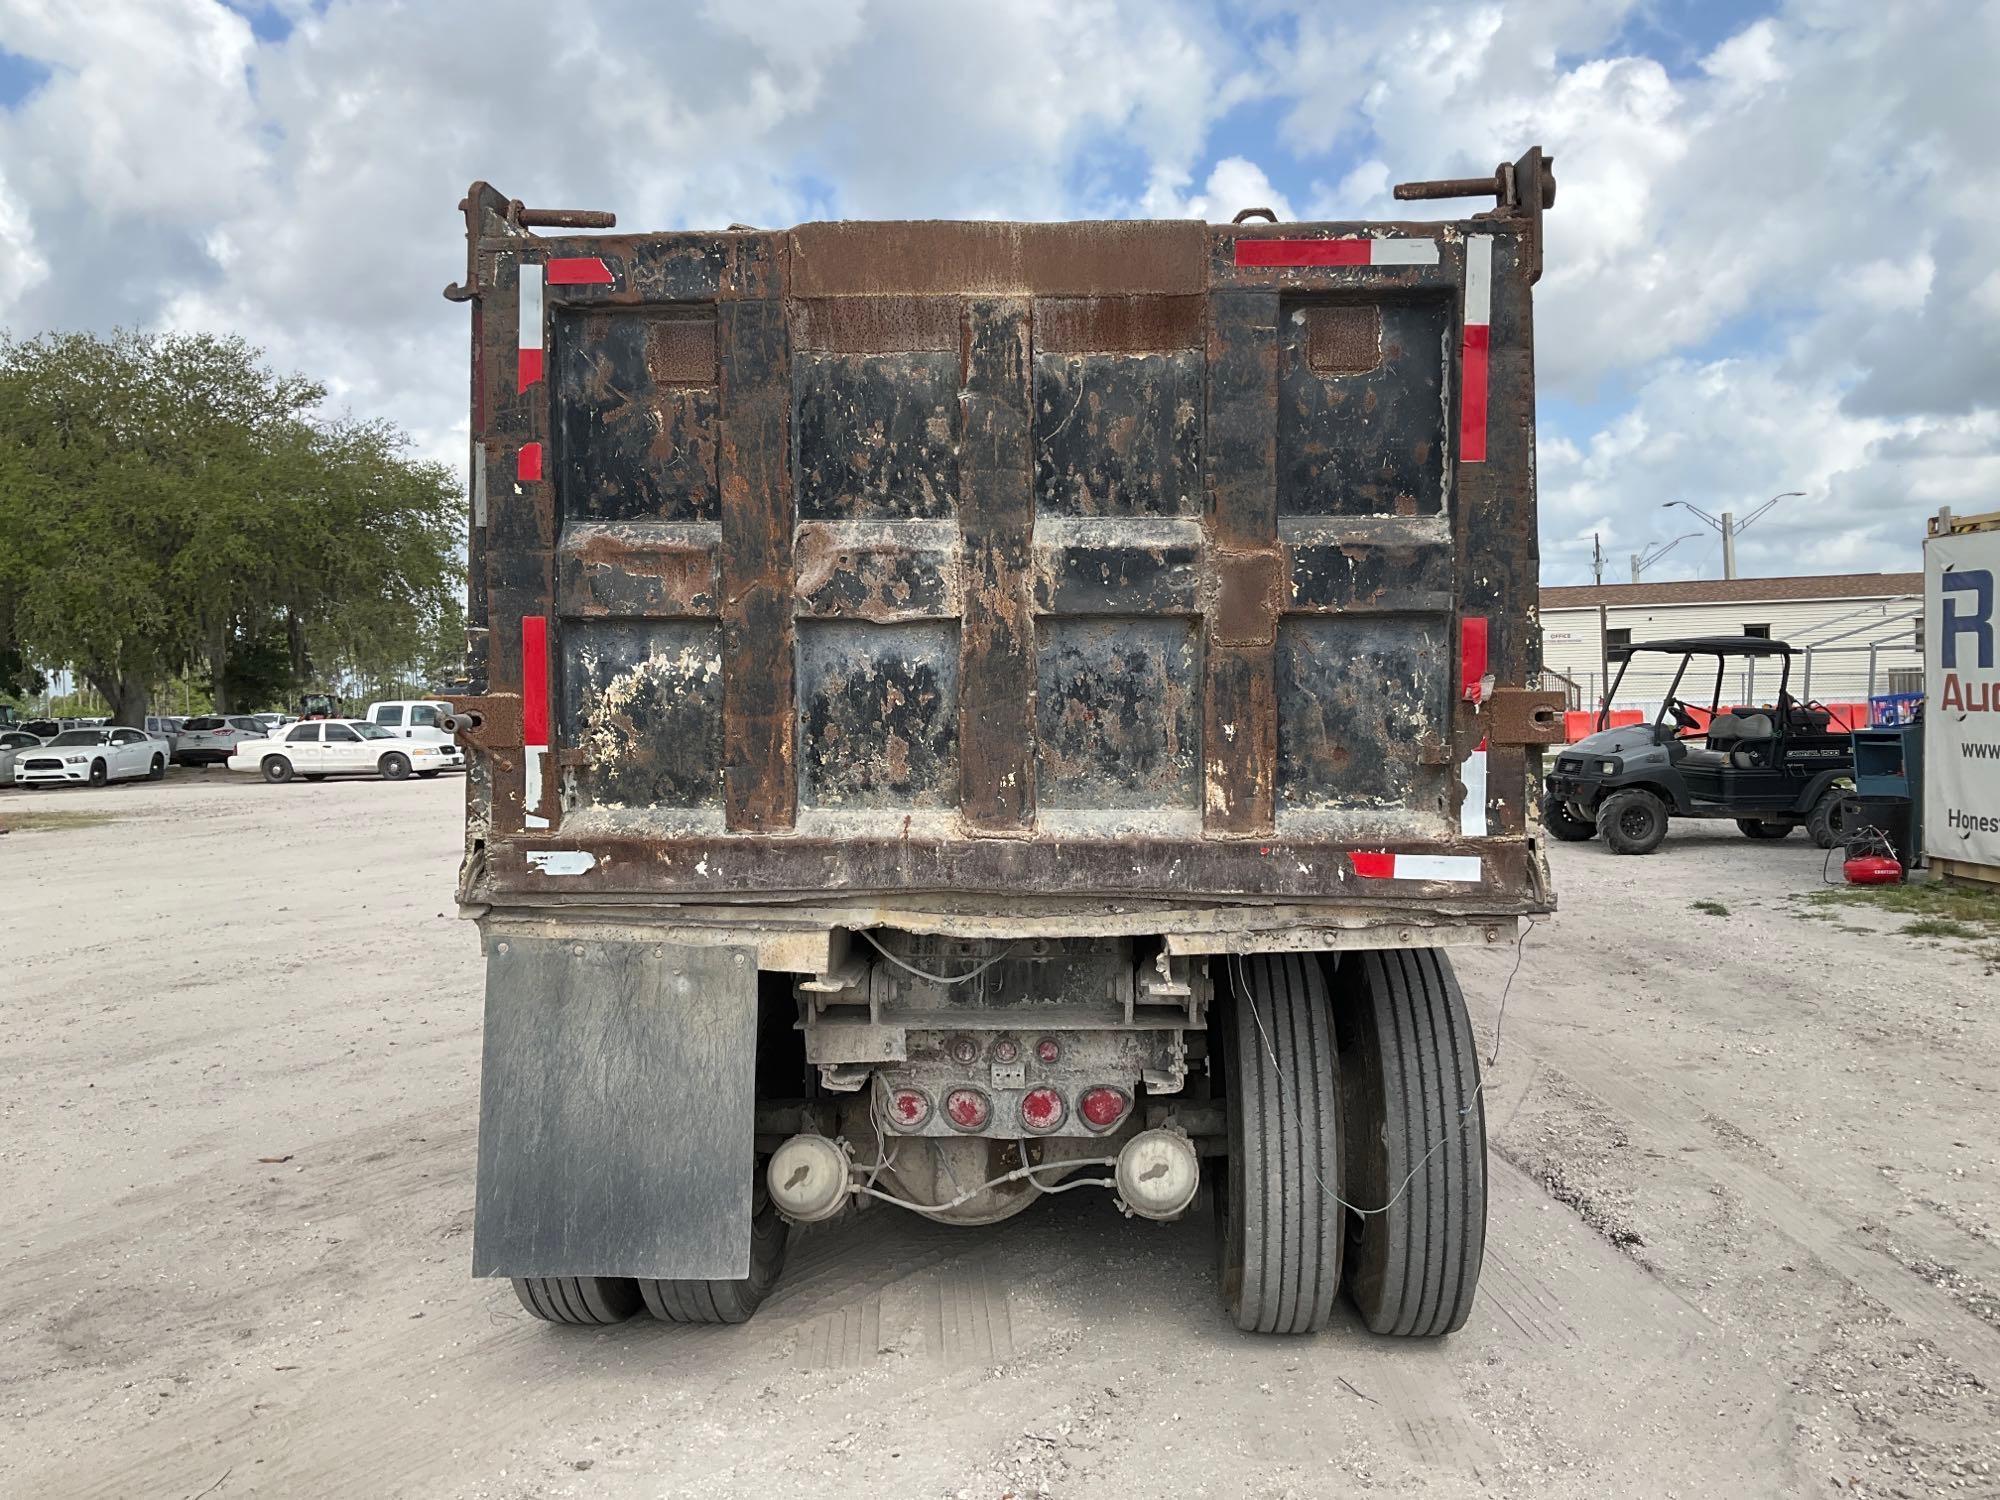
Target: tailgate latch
(1524, 716)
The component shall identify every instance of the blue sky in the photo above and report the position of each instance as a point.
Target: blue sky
(1771, 265)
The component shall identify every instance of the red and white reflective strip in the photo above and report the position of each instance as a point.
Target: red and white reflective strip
(1475, 680)
(534, 715)
(1462, 868)
(1472, 811)
(1359, 251)
(1474, 348)
(529, 367)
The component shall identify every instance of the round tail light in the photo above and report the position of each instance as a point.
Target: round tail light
(1102, 1108)
(967, 1109)
(909, 1108)
(1049, 1050)
(1042, 1109)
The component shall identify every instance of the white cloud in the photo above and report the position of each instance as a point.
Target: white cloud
(1816, 196)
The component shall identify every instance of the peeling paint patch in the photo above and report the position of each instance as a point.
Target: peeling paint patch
(563, 861)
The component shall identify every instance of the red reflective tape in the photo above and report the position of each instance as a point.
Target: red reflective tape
(578, 270)
(1472, 404)
(1303, 252)
(528, 463)
(530, 368)
(534, 679)
(1472, 656)
(1374, 866)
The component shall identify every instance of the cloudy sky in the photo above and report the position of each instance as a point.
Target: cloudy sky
(1774, 264)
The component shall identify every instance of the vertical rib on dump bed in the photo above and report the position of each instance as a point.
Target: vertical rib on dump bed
(1160, 561)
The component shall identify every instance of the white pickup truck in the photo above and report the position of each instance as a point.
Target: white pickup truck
(413, 719)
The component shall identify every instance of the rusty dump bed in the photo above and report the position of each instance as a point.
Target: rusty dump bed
(1094, 567)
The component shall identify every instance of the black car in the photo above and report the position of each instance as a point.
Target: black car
(1770, 768)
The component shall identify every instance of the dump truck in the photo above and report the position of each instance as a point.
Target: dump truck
(959, 712)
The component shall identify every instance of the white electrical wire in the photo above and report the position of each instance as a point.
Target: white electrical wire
(969, 1194)
(910, 968)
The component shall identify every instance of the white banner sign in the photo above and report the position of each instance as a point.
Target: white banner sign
(1962, 697)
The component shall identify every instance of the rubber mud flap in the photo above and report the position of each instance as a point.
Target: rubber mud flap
(617, 1128)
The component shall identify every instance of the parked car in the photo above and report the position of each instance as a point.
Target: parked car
(164, 727)
(42, 729)
(318, 748)
(413, 718)
(92, 755)
(12, 742)
(269, 721)
(209, 740)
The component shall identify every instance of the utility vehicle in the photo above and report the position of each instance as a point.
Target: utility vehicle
(1770, 768)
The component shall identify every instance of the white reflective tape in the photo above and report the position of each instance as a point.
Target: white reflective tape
(531, 307)
(478, 484)
(1403, 253)
(563, 861)
(1472, 812)
(1459, 867)
(531, 763)
(1478, 279)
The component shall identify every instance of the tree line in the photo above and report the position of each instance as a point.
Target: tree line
(170, 503)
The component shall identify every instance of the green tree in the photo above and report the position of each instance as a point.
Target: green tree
(168, 501)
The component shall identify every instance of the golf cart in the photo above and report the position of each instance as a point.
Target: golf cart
(1769, 768)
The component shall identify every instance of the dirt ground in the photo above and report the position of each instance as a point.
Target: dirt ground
(1742, 1239)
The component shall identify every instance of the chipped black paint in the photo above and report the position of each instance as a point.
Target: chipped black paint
(1117, 721)
(634, 444)
(1118, 434)
(878, 720)
(642, 702)
(1364, 444)
(875, 435)
(1358, 699)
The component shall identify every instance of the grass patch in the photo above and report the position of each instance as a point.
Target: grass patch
(1941, 927)
(1709, 908)
(49, 822)
(1935, 909)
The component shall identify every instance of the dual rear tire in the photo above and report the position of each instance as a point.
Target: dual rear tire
(601, 1301)
(1357, 1145)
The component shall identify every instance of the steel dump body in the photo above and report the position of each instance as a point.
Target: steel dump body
(1160, 577)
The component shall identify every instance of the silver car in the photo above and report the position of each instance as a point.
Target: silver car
(210, 739)
(12, 742)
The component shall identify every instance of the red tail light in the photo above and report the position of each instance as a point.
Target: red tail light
(1042, 1109)
(968, 1109)
(1102, 1108)
(909, 1108)
(1048, 1049)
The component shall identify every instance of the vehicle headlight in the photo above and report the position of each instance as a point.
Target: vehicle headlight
(75, 760)
(1607, 768)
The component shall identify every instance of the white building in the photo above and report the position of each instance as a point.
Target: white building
(1860, 632)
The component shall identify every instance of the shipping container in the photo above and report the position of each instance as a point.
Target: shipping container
(958, 709)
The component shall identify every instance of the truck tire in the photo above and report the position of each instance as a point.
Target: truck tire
(727, 1301)
(1633, 821)
(1416, 1143)
(1282, 1232)
(586, 1301)
(1831, 817)
(1760, 828)
(1566, 825)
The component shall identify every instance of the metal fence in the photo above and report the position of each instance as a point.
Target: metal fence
(1829, 674)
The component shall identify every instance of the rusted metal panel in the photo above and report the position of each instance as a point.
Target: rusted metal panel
(1043, 562)
(1240, 728)
(996, 510)
(758, 708)
(636, 570)
(962, 259)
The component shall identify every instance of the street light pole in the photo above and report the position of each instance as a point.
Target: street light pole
(1727, 524)
(1642, 561)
